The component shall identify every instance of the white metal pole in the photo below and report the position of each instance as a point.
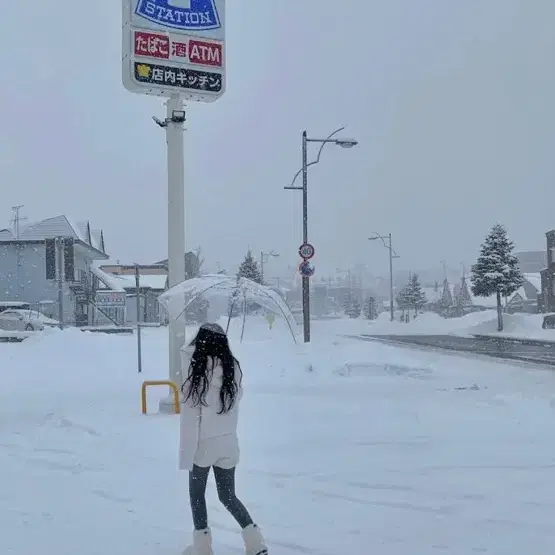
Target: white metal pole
(176, 238)
(138, 307)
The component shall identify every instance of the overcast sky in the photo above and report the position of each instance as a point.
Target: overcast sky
(452, 103)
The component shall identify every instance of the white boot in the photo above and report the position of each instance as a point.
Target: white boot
(202, 543)
(254, 541)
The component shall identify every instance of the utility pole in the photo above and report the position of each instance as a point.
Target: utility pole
(344, 143)
(305, 280)
(16, 221)
(59, 242)
(391, 303)
(388, 244)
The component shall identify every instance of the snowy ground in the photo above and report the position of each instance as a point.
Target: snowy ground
(516, 326)
(347, 447)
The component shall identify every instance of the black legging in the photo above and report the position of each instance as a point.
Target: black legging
(225, 483)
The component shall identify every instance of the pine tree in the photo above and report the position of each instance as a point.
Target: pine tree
(403, 301)
(446, 296)
(354, 310)
(496, 271)
(249, 268)
(370, 308)
(416, 298)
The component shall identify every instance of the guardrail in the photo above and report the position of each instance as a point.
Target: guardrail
(168, 383)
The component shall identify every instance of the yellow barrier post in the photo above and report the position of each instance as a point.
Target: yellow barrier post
(160, 382)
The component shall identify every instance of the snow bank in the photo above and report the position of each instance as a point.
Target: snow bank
(516, 326)
(429, 323)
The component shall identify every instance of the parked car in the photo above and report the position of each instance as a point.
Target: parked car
(548, 322)
(25, 320)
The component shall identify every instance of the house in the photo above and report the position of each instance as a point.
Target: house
(27, 264)
(153, 281)
(151, 286)
(525, 299)
(546, 300)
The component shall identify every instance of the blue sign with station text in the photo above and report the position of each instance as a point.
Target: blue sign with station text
(185, 15)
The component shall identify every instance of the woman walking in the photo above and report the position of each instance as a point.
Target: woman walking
(208, 435)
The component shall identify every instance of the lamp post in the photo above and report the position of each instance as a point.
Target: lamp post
(264, 257)
(386, 240)
(345, 143)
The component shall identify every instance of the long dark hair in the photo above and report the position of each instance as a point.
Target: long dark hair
(211, 343)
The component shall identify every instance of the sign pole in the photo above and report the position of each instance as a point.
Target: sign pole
(138, 301)
(305, 280)
(176, 237)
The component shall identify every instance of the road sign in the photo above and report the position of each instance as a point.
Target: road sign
(306, 250)
(306, 269)
(174, 47)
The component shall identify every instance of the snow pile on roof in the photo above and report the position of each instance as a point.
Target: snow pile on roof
(111, 281)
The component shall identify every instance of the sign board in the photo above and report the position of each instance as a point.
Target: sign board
(174, 47)
(110, 299)
(306, 251)
(306, 269)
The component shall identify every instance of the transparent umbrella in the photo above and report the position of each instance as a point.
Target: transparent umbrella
(239, 292)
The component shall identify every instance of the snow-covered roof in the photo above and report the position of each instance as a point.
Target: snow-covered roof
(149, 281)
(109, 280)
(59, 226)
(535, 280)
(6, 235)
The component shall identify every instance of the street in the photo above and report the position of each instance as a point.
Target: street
(534, 351)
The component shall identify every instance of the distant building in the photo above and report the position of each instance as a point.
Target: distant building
(546, 299)
(525, 299)
(531, 262)
(25, 261)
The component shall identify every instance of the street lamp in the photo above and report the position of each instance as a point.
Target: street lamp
(345, 143)
(264, 257)
(386, 240)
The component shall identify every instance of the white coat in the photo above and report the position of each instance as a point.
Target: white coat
(205, 437)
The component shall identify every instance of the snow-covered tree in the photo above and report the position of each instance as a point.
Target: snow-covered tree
(496, 271)
(403, 301)
(446, 296)
(415, 297)
(249, 268)
(370, 308)
(354, 309)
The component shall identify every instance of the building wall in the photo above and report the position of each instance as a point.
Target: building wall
(23, 278)
(547, 297)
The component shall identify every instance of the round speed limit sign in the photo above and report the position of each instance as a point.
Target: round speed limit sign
(306, 250)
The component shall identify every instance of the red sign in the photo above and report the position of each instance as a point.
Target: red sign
(152, 45)
(205, 53)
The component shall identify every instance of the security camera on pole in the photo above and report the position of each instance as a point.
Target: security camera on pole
(174, 49)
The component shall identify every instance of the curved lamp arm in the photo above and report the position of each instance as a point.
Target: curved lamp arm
(376, 235)
(324, 142)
